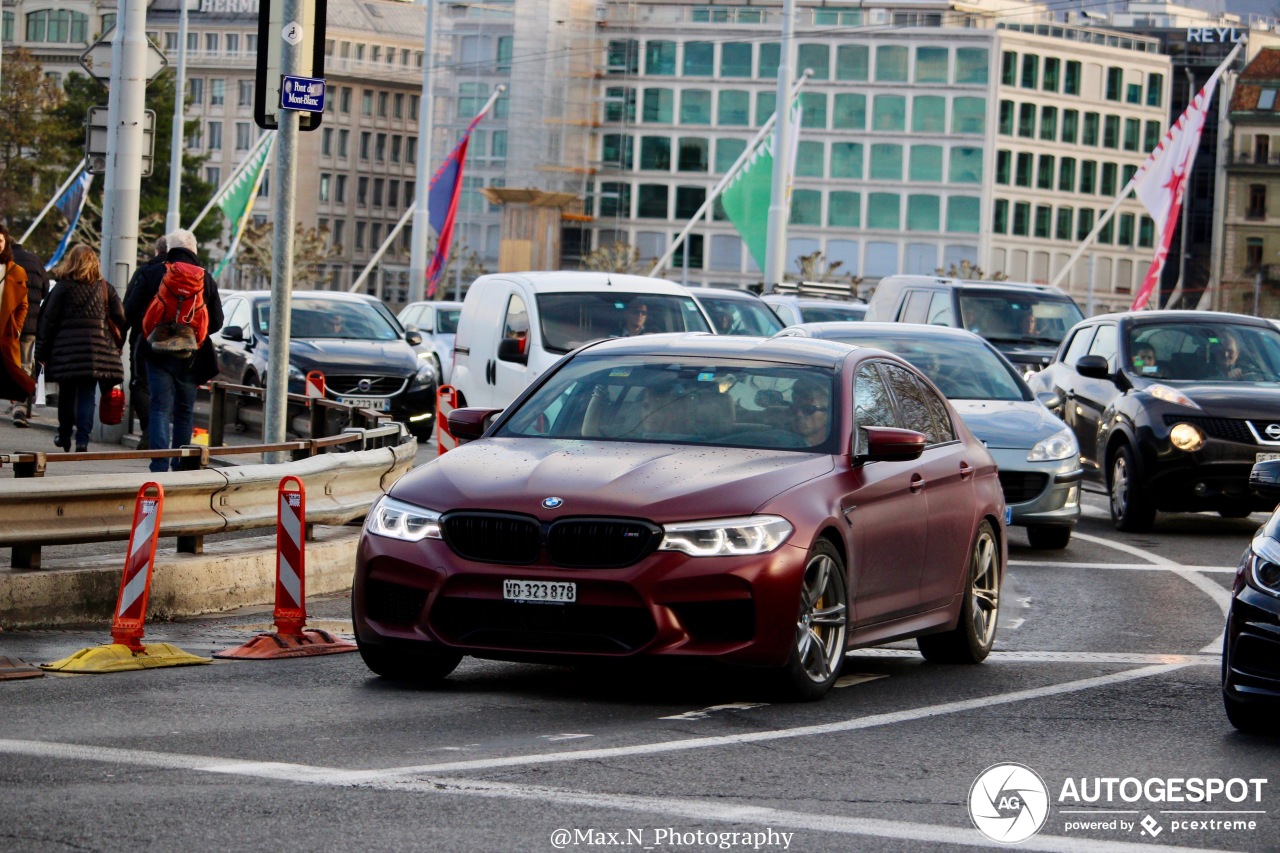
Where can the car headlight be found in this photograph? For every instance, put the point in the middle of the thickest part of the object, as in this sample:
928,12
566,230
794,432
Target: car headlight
1264,565
399,520
426,374
1060,445
1186,437
295,373
1171,395
758,534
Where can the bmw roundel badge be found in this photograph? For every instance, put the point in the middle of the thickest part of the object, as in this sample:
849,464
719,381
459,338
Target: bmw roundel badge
552,503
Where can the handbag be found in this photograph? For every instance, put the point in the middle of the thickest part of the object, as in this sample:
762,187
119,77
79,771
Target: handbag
111,406
114,332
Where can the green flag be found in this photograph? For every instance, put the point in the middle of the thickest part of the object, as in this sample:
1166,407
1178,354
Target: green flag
236,199
746,200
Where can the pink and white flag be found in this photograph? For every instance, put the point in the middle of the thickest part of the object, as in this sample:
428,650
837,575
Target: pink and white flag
1161,182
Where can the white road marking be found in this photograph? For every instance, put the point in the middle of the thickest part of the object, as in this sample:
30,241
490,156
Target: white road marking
1132,567
707,712
1015,624
565,736
1061,657
856,678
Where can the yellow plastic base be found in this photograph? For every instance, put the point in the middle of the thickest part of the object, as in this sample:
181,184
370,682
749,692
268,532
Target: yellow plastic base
115,657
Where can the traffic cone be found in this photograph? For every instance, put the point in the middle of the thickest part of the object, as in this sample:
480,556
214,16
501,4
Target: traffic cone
291,639
126,651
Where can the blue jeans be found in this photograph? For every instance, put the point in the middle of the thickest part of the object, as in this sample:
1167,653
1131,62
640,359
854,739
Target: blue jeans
75,411
173,398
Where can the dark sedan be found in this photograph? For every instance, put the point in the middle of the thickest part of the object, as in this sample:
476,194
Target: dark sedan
1251,642
1171,409
366,357
764,502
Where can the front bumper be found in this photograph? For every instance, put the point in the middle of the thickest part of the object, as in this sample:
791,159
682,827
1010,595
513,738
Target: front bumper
740,609
1039,493
1214,477
1251,653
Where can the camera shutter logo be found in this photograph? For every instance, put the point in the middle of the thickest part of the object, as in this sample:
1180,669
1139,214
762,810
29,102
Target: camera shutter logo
1008,803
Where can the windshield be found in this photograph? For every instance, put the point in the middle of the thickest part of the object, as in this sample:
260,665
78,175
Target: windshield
720,403
447,321
740,316
1016,317
962,369
571,319
833,313
331,318
1202,351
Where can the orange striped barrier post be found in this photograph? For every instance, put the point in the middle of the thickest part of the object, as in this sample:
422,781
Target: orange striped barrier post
126,650
315,384
291,639
446,402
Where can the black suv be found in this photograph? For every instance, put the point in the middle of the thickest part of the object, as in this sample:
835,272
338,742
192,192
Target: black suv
1026,322
1171,409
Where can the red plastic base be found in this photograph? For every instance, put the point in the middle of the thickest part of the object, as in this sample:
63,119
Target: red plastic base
311,641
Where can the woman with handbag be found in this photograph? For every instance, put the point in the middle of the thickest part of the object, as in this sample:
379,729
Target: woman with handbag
79,342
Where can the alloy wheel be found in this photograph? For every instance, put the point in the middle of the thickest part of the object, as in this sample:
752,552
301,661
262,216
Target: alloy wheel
984,590
823,620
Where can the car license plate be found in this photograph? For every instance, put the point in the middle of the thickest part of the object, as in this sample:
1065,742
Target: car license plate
549,592
1267,457
378,404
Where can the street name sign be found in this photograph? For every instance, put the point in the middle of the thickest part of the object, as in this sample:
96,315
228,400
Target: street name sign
304,30
302,93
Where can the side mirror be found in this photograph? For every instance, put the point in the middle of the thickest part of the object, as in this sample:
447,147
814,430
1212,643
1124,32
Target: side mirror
232,333
470,424
1050,400
413,337
1093,366
890,444
513,349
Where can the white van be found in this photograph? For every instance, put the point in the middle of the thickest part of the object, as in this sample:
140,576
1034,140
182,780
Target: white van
516,325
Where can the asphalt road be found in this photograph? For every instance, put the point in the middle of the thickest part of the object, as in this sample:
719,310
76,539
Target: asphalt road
1106,666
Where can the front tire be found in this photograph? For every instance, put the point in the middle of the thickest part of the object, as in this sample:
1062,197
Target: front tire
413,667
975,632
1131,510
1045,537
1248,718
821,626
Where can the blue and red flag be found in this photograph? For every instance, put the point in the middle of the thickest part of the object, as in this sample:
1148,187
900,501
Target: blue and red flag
442,205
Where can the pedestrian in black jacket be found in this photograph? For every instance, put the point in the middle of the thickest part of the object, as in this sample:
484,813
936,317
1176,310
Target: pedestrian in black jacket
75,345
37,291
139,390
173,381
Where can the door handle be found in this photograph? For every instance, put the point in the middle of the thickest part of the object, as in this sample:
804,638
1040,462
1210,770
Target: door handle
966,470
917,483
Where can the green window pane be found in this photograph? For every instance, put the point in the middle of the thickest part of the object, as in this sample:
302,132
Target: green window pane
615,199
929,114
1155,89
1006,117
1084,223
891,64
849,112
1125,235
816,57
972,64
931,64
1049,123
1071,80
655,153
851,62
659,105
1107,232
727,153
926,163
810,158
1044,217
617,151
660,58
695,106
963,212
1111,132
1052,67
1070,125
1027,120
884,211
813,110
1004,167
1127,175
1133,93
846,159
1022,219
966,166
1044,177
652,201
1108,183
688,200
1067,175
924,213
999,216
1146,233
765,104
1115,83
1152,136
699,59
1132,134
694,154
735,60
1009,68
1088,176
734,108
1030,71
1062,228
770,54
844,210
1022,174
889,112
886,162
1090,134
969,115
806,207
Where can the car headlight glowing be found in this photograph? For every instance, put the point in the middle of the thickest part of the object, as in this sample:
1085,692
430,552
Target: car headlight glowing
1060,445
1264,565
758,534
398,520
1171,395
1186,437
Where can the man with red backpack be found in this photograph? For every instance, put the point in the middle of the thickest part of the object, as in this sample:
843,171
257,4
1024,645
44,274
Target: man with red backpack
172,310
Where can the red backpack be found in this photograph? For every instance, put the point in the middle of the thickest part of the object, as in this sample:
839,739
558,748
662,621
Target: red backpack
177,321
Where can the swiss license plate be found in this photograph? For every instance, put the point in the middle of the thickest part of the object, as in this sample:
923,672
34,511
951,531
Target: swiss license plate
549,592
1267,457
378,404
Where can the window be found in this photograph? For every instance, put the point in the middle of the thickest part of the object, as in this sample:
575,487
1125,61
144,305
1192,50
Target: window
971,65
1000,216
1152,136
1004,167
339,226
889,113
727,153
1071,80
963,214
966,165
770,54
415,100
1133,93
886,162
1115,84
695,155
1125,231
1155,89
846,160
397,105
1021,219
659,106
660,58
734,108
211,42
58,26
326,180
1067,175
616,151
244,93
621,57
215,136
1052,65
929,114
851,62
655,153
1253,254
1030,71
244,137
816,57
1106,232
365,138
806,207
1009,68
1044,216
380,148
735,60
1049,124
360,228
765,103
619,104
969,115
366,102
813,110
891,64
926,163
1006,117
1107,186
344,137
844,210
884,211
213,175
1132,134
232,42
1070,125
1027,120
1257,208
1022,174
924,213
849,112
396,142
1084,223
1088,176
931,64
383,97
195,90
1062,229
1111,132
1089,136
217,92
170,38
378,184
362,191
340,191
411,149
1146,232
811,159
653,201
344,100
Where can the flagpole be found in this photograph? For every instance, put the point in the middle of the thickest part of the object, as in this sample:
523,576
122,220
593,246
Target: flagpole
235,173
418,259
780,196
57,195
728,177
1097,228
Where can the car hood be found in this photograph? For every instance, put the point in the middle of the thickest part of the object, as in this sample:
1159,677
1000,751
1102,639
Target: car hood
1008,424
374,358
1247,400
661,482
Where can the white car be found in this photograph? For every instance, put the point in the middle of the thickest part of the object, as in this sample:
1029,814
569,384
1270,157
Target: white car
438,323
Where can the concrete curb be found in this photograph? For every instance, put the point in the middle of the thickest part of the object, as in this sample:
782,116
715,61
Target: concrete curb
228,575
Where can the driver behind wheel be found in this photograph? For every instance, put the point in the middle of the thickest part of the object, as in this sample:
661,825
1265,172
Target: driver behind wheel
811,408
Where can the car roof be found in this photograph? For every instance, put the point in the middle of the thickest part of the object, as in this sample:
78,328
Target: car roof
724,293
1145,317
827,330
979,284
436,302
332,295
808,351
811,300
568,280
